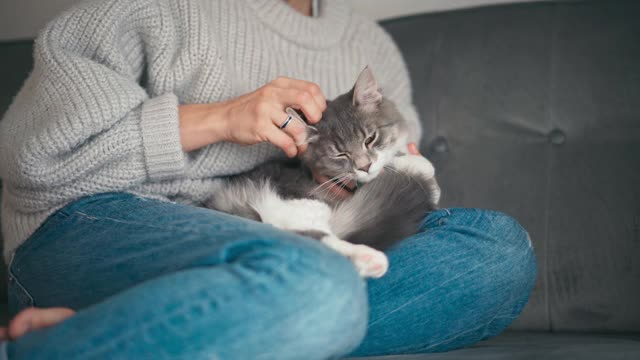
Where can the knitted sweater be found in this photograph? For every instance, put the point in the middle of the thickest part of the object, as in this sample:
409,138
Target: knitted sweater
99,112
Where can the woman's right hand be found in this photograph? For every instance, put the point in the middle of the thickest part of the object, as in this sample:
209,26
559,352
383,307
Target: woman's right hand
255,117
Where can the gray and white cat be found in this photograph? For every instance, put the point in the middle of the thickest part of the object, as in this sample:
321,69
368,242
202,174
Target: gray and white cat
360,135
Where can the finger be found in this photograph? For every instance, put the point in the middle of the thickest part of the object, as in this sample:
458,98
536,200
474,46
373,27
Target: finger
294,127
4,333
300,99
301,85
33,319
413,149
280,139
313,88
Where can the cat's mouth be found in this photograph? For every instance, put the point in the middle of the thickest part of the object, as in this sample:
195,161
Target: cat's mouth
347,184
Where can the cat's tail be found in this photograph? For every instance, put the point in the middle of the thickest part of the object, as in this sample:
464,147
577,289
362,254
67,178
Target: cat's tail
389,208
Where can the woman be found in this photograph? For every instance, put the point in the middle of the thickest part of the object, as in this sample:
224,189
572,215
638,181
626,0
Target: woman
133,109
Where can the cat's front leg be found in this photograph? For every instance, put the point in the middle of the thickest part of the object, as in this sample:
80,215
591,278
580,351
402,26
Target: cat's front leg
369,262
414,164
418,165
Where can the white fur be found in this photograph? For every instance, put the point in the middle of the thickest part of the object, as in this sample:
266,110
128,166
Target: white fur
415,164
296,215
369,262
308,214
419,165
383,158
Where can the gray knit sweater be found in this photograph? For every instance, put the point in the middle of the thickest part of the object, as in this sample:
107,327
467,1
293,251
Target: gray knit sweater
99,112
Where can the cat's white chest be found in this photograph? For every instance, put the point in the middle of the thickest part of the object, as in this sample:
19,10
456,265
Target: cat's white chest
308,214
298,214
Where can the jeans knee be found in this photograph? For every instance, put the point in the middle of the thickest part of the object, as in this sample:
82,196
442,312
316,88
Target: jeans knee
340,299
503,242
518,267
321,289
515,242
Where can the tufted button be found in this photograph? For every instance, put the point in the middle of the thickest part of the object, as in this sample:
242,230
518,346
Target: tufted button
440,145
557,137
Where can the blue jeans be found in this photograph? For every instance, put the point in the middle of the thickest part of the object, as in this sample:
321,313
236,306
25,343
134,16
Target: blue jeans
156,280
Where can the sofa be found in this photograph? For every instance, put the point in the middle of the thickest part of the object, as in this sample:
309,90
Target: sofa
533,110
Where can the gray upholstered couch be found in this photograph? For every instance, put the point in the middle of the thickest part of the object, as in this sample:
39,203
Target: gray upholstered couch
534,110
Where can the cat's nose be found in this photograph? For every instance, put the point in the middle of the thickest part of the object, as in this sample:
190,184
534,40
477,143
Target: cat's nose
365,168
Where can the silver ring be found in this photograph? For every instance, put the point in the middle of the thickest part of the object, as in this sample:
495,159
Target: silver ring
286,122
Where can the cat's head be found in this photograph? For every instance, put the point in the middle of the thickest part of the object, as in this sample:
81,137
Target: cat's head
359,133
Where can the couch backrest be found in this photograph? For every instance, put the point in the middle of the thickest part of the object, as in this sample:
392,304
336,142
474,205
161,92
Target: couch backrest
534,110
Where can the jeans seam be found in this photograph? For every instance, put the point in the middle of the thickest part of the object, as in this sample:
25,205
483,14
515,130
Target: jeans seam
18,284
428,222
91,217
26,246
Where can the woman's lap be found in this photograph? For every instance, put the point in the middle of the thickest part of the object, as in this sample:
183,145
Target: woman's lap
462,279
104,244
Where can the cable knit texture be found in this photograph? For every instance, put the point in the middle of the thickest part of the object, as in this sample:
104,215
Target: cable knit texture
99,112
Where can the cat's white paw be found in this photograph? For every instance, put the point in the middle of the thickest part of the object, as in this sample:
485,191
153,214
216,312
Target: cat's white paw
414,164
370,262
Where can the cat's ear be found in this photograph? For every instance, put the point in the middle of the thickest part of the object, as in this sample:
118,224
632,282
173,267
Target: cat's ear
366,94
311,135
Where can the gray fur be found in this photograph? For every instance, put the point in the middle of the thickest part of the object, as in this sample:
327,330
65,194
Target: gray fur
235,195
385,210
345,127
381,212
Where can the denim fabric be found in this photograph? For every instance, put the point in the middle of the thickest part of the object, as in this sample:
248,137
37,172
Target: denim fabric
154,280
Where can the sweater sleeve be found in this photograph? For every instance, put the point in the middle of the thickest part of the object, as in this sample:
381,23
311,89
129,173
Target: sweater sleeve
82,112
393,77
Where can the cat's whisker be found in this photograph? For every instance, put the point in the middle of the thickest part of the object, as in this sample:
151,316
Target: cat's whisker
325,187
341,184
334,184
325,183
335,195
331,182
391,168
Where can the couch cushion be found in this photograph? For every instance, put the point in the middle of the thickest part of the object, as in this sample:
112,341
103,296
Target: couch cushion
534,110
533,346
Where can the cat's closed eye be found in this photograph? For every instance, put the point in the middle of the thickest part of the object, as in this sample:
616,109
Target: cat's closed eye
340,156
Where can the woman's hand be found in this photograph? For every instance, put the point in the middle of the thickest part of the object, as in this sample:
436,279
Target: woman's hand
255,117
